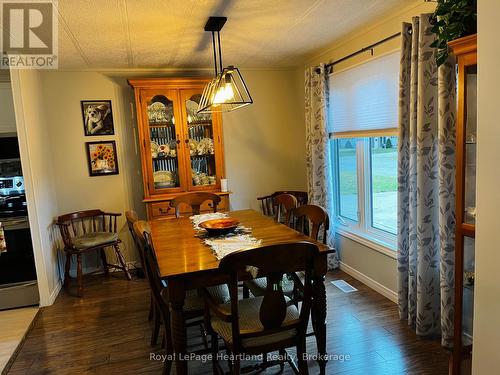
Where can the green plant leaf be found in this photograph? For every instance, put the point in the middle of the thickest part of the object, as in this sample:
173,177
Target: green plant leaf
452,19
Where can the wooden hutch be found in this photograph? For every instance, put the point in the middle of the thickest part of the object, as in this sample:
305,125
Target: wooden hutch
465,49
181,150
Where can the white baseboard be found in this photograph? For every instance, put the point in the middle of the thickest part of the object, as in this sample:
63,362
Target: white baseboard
369,282
55,293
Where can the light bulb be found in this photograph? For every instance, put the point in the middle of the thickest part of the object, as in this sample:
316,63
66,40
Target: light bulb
229,91
220,95
224,94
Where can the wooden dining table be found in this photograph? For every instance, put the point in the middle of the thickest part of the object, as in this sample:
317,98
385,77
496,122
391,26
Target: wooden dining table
186,263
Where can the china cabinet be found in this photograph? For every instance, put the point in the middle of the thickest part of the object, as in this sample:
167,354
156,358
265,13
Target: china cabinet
465,49
181,150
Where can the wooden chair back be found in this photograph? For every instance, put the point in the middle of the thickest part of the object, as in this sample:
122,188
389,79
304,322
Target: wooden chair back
267,205
309,219
272,261
133,218
285,204
302,197
78,223
143,233
195,200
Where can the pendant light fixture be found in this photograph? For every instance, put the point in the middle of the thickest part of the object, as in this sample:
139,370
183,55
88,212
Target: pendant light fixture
227,91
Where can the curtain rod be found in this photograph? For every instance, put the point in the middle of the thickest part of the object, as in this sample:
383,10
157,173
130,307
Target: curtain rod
368,48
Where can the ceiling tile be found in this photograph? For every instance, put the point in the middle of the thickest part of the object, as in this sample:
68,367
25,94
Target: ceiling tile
116,34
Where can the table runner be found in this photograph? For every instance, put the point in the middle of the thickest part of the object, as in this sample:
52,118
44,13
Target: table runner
240,239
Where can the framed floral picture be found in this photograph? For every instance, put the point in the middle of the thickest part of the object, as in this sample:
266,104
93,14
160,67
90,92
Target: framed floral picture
97,117
101,157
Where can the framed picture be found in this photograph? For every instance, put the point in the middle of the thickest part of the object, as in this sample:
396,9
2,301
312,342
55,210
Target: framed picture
97,117
101,157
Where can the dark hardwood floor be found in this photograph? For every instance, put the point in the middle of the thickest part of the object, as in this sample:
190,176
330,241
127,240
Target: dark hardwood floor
107,332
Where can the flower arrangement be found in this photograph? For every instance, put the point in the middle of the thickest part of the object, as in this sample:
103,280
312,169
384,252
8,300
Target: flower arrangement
102,158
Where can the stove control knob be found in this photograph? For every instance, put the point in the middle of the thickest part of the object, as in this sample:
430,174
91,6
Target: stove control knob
19,184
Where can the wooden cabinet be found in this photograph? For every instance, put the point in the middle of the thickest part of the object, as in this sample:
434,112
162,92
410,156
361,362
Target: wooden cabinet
162,210
181,150
465,50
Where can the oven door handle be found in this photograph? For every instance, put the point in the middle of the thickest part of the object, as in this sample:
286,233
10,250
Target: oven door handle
22,222
20,285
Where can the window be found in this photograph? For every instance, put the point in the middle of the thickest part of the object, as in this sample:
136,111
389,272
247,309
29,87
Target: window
363,117
347,172
384,183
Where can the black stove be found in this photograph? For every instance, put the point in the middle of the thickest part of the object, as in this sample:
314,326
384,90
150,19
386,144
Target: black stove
18,286
12,197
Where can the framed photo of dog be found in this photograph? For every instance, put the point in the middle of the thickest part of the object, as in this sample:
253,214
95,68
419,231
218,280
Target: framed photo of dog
97,117
101,158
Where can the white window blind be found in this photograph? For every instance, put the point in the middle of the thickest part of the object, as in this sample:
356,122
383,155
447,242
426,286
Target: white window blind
364,99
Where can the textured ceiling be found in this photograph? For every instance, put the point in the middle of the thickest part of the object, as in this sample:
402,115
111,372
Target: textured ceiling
128,34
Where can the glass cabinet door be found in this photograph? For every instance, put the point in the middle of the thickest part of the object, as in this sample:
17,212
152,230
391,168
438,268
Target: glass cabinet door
468,291
470,144
465,259
465,50
163,122
202,143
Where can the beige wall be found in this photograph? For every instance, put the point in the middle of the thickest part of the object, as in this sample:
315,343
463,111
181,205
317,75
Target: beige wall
75,190
370,263
7,116
376,268
264,143
487,284
36,157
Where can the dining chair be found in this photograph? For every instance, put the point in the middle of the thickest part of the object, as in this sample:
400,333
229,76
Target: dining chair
142,230
267,204
88,231
285,204
195,200
132,218
267,323
193,309
308,219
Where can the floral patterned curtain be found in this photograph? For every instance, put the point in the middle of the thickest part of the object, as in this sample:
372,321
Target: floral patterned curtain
426,179
319,176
